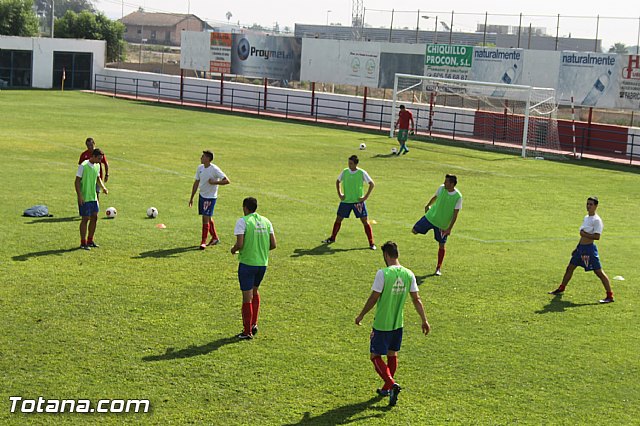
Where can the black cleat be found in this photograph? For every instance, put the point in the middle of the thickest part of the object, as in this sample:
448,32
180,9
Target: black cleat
254,330
93,244
393,394
243,336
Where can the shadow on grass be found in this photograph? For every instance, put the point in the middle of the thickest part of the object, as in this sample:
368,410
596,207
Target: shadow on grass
389,155
57,252
323,249
55,220
173,252
558,305
343,415
420,279
192,351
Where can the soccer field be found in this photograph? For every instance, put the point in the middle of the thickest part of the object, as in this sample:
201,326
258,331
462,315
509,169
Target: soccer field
148,316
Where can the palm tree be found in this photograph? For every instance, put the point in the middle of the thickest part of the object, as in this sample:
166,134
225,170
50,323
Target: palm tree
620,48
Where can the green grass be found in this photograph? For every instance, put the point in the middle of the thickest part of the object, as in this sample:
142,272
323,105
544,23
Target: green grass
147,316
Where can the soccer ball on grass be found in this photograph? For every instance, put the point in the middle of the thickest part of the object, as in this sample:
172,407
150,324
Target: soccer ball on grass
394,150
111,212
152,212
363,146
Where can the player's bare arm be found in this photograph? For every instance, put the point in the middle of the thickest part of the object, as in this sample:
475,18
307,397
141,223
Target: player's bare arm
272,241
453,221
417,303
371,186
223,181
430,203
101,183
238,245
340,194
585,234
79,191
193,191
370,303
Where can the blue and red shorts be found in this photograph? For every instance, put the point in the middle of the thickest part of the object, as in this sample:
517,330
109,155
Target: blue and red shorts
89,208
359,209
423,226
250,276
206,205
383,341
586,256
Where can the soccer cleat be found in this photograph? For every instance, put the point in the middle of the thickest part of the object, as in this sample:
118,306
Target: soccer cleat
438,272
254,329
85,247
328,241
213,242
93,244
243,336
373,247
203,246
383,392
405,152
556,292
393,394
607,300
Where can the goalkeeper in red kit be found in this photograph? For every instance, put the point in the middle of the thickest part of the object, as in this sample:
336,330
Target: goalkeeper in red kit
402,124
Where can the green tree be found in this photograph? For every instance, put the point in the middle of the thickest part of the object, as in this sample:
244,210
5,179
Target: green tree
86,25
17,18
620,48
61,6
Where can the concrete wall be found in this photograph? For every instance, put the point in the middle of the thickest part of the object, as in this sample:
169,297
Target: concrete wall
43,48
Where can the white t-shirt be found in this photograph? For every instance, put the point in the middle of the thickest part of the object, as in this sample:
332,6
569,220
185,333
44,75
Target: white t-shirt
378,282
458,204
241,226
365,176
203,175
592,224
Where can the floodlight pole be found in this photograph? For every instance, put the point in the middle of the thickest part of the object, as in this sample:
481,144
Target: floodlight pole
53,16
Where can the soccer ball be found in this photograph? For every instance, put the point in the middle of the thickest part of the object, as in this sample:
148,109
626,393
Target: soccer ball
111,212
394,150
363,146
152,212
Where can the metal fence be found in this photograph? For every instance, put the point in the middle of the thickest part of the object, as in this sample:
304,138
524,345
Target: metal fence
588,139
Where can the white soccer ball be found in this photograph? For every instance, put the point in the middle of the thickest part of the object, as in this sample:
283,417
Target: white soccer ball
152,212
394,150
363,146
111,212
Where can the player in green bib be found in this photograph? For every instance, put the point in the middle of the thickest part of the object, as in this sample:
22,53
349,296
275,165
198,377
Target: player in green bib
441,213
254,239
87,176
388,294
353,199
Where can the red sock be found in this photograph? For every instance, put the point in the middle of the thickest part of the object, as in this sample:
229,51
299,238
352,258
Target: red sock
83,242
440,256
369,232
212,229
246,318
392,362
89,240
383,372
255,303
205,232
562,287
610,294
336,228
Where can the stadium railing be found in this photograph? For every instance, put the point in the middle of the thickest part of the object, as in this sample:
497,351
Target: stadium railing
445,122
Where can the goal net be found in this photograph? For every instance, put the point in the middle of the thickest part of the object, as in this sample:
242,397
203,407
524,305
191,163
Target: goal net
507,115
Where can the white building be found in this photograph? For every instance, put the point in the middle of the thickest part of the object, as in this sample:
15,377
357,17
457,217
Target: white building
41,62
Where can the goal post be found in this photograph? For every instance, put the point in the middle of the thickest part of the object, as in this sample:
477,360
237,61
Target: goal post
509,114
